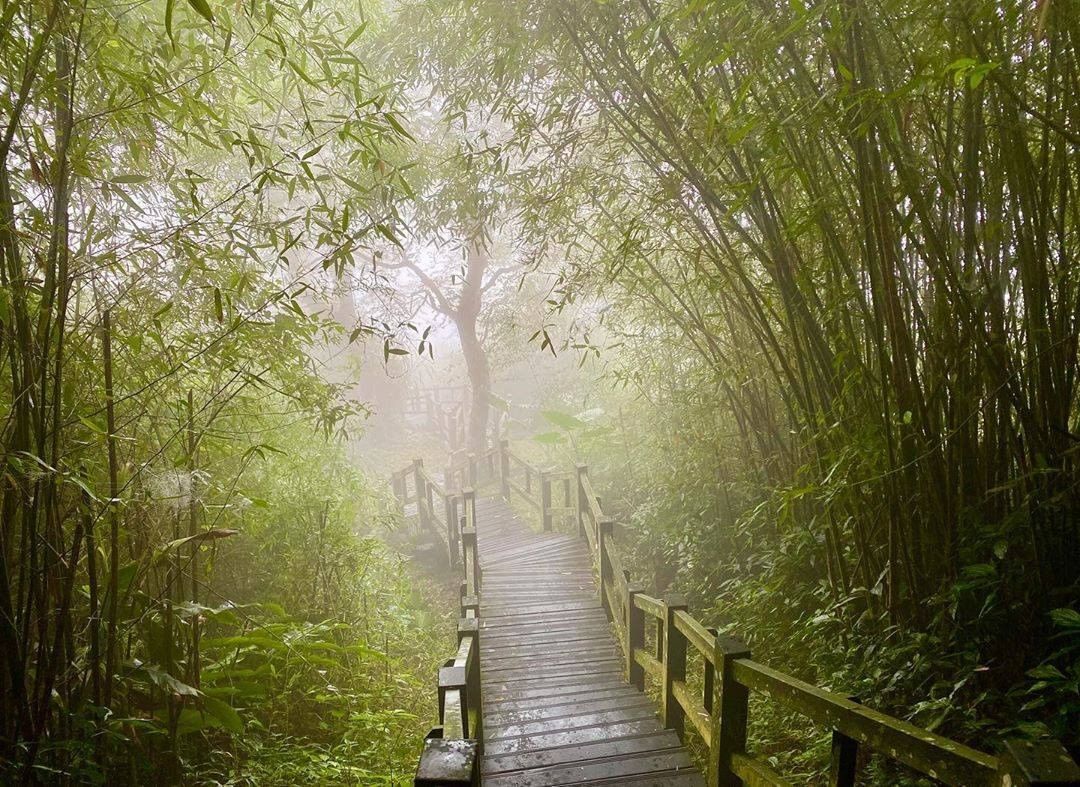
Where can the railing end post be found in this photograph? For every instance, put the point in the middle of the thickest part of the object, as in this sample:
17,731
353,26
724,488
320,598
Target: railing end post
447,763
730,708
635,637
468,627
504,468
604,528
674,664
581,472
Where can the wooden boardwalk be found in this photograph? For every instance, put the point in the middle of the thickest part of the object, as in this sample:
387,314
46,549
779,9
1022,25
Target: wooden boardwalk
539,668
556,707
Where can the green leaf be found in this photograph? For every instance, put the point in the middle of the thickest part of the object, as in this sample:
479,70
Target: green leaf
549,438
400,129
1066,618
386,233
564,420
203,9
167,682
191,720
169,21
199,538
1046,672
225,713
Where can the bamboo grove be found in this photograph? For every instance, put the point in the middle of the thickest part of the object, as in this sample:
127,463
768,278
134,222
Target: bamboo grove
816,261
165,216
852,226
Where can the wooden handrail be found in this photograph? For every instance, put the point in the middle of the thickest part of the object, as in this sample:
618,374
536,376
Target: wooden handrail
719,714
451,752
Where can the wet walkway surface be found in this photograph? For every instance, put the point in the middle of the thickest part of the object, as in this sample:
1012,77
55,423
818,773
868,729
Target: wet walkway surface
557,710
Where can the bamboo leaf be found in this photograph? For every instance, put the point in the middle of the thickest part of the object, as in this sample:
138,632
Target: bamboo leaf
202,7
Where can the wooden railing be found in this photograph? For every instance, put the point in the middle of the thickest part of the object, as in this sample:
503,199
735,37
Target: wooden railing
444,412
719,711
451,753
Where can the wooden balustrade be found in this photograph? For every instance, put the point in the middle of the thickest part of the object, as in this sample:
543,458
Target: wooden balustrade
718,713
451,751
713,704
436,505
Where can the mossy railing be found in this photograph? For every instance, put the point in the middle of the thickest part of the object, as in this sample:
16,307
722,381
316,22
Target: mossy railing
451,752
719,712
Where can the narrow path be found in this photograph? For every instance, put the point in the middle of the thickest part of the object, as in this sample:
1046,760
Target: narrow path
556,708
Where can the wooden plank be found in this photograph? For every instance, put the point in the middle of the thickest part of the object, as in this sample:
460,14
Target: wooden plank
556,707
577,720
609,750
548,690
680,778
576,704
549,740
644,763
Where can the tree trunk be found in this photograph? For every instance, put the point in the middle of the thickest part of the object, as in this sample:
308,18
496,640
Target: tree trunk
476,361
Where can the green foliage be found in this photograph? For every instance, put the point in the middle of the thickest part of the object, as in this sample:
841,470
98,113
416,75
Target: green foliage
187,556
833,249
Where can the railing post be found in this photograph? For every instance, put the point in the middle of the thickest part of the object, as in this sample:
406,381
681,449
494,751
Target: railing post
582,501
730,706
447,763
452,678
463,553
708,690
504,468
545,499
470,627
635,638
468,603
450,513
844,760
472,560
567,499
674,665
421,492
604,529
429,489
1031,763
468,540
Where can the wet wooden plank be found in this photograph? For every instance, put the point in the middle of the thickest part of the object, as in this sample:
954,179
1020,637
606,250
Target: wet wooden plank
610,749
577,772
557,710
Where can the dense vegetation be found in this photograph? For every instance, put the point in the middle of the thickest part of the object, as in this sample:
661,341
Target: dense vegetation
190,580
808,268
830,250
